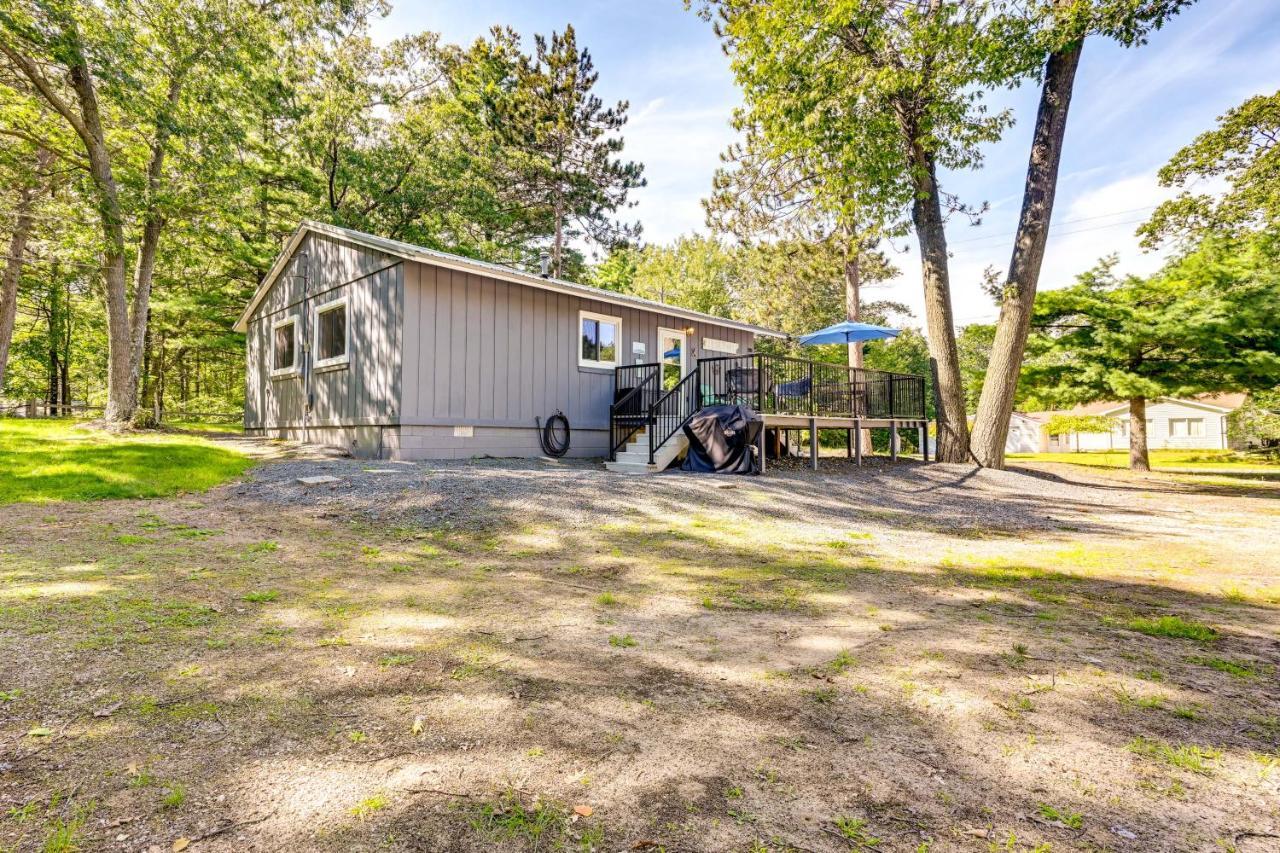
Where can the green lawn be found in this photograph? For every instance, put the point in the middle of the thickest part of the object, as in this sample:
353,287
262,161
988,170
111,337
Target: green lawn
1180,460
59,461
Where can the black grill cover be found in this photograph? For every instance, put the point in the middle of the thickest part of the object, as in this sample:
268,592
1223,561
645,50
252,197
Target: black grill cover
722,441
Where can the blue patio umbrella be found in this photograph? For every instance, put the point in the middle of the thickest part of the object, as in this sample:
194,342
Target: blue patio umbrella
672,353
848,332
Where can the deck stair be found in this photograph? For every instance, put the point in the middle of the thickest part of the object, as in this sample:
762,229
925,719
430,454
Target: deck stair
634,458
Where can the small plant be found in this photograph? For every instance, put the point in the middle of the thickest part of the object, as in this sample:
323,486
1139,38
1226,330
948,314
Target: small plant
623,641
842,662
1071,820
539,824
9,695
606,599
174,797
23,813
262,548
733,792
1197,759
1173,626
367,807
395,660
822,695
357,737
534,752
854,829
1230,667
262,596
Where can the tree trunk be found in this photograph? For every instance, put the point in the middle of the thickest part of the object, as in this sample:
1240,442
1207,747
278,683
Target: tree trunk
558,247
23,223
926,215
853,300
153,225
995,406
1138,459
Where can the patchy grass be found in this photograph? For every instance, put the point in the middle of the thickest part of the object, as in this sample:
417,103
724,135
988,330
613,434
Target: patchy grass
1197,759
45,461
700,677
1230,667
1172,626
1178,460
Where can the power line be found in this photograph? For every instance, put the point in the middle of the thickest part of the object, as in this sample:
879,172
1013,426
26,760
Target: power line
1055,225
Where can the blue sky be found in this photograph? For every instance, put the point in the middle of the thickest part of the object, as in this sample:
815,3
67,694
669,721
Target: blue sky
1132,109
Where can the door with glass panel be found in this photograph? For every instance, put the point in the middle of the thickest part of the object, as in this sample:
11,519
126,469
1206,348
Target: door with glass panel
673,347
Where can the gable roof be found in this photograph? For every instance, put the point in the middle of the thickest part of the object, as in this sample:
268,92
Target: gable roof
1222,403
408,251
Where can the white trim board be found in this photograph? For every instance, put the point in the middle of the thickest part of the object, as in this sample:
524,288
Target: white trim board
408,251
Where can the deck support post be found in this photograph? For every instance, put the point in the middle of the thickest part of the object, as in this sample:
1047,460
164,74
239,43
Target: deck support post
813,443
761,444
893,440
848,443
857,444
924,442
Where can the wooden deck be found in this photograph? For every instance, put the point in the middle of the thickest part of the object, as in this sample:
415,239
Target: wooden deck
853,428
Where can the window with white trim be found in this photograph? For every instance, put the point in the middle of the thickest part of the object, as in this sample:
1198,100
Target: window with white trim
331,333
284,346
600,340
1186,427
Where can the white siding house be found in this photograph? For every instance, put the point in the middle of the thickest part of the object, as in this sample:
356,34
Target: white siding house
1172,424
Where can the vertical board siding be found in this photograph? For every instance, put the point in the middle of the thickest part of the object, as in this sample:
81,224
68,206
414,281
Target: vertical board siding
496,353
367,389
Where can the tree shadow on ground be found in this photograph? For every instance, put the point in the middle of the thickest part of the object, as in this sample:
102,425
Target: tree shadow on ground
773,687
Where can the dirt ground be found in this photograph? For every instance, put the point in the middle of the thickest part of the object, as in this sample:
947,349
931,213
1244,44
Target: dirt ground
501,655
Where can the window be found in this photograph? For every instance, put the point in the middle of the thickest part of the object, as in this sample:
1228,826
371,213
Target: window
284,346
331,334
716,347
1186,427
601,337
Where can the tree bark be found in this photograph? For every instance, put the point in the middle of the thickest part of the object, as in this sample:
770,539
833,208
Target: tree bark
1138,458
926,215
24,221
152,227
853,300
995,406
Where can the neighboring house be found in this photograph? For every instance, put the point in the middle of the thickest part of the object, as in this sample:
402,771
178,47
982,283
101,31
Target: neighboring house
396,351
1172,423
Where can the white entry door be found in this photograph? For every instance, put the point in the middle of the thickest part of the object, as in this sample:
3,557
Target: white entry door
673,353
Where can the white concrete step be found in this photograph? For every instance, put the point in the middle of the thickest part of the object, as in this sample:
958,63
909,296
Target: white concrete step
635,458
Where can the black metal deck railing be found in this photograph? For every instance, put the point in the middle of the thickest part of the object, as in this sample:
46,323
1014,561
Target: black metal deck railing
636,388
770,384
781,385
672,411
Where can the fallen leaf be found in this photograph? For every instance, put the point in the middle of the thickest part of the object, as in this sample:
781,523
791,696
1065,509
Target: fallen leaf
419,723
181,844
40,731
585,811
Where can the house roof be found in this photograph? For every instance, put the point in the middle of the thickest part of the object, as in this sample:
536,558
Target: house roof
1214,402
408,251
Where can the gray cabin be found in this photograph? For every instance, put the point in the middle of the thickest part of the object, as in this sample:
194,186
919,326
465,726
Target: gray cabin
394,351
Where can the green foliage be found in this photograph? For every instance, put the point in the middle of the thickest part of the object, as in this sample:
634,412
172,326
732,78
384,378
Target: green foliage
1068,424
1242,151
55,461
1257,420
1172,626
1203,324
